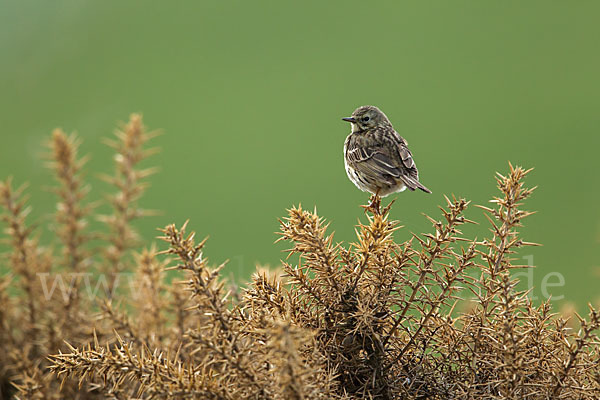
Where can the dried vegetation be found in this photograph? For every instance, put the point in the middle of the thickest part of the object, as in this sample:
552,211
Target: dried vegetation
437,316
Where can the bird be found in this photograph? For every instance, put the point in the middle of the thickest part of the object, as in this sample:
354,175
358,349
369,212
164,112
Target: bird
376,157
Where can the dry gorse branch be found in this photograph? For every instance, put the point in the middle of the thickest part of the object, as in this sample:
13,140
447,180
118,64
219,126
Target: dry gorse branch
47,301
130,182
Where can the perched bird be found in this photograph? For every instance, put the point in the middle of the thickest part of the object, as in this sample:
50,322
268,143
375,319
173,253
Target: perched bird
377,158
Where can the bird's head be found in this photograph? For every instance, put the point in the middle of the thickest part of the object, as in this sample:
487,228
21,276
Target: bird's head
367,117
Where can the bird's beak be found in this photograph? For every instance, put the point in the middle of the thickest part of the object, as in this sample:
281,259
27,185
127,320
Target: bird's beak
349,119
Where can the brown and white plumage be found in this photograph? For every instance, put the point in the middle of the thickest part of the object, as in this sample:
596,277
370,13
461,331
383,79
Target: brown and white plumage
377,158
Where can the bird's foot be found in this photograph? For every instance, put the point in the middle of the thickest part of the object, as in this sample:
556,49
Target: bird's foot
374,206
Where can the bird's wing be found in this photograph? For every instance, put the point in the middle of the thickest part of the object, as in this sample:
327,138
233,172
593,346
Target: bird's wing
410,174
371,160
408,163
379,161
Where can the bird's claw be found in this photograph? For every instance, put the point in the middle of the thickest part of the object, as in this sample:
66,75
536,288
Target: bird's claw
374,205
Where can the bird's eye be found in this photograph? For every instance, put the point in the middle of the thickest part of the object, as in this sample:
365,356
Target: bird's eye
365,119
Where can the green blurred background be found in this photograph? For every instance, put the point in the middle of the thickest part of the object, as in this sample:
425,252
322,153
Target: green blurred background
250,94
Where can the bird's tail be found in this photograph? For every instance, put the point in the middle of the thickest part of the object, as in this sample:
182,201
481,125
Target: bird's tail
413,184
423,188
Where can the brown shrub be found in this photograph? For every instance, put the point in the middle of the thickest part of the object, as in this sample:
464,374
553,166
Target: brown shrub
437,316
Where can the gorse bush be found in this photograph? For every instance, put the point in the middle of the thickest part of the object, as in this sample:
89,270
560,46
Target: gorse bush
437,316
